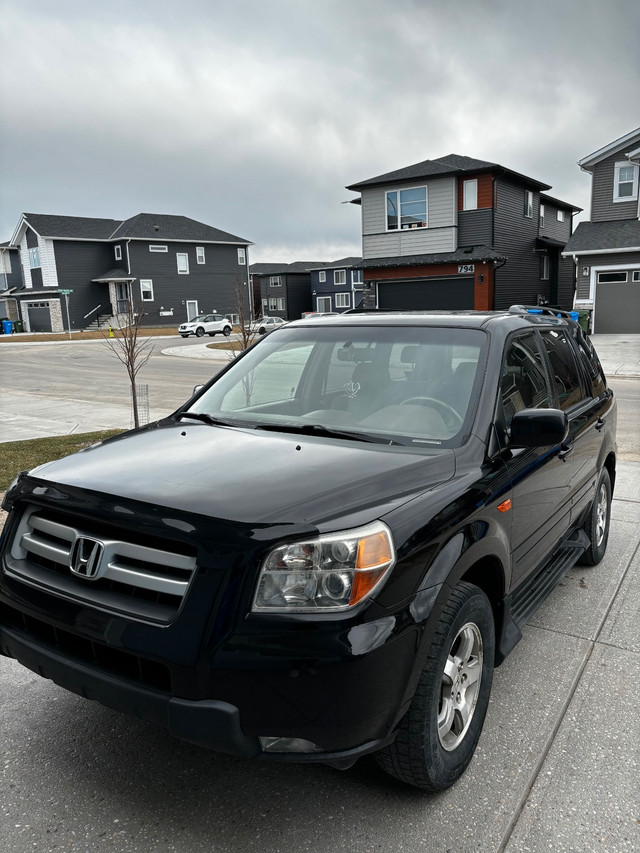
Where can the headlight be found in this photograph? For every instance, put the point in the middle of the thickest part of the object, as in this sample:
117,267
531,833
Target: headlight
330,573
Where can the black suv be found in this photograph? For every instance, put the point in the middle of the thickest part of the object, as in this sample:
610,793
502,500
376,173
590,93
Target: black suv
327,550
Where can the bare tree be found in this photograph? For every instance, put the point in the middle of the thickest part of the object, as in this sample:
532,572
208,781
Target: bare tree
248,329
126,345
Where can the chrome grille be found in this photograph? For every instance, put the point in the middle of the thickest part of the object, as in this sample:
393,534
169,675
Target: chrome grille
132,577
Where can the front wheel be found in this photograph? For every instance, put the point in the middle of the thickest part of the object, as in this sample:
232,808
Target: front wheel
226,331
199,332
597,524
439,733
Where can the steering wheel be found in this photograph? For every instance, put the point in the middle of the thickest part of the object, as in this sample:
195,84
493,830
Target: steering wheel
444,408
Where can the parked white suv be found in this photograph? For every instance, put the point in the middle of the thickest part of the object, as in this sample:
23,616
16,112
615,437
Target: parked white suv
209,324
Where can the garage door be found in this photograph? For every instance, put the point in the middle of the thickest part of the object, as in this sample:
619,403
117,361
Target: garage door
39,316
436,294
617,308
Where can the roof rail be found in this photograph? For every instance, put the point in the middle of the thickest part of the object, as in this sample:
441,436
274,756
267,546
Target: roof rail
541,309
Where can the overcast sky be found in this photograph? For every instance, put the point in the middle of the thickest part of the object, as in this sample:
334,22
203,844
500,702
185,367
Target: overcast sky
253,115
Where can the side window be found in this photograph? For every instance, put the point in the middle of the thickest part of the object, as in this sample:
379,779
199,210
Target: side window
524,382
564,369
591,364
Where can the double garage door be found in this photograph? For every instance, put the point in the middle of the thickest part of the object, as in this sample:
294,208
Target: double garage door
617,309
431,294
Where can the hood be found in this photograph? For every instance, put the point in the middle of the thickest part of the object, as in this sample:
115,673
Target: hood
252,476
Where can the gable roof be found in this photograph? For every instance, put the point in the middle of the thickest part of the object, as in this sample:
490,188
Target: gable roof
145,226
284,269
341,263
629,140
544,198
593,237
451,164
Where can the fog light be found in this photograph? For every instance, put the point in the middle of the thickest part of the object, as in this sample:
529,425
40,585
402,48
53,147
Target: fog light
287,744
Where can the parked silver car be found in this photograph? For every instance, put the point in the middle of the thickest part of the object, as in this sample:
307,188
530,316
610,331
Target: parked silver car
209,324
266,324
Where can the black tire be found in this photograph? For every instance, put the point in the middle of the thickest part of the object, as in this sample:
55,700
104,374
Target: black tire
423,755
597,525
261,330
199,332
226,331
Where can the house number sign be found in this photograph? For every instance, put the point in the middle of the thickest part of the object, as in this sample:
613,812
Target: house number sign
464,268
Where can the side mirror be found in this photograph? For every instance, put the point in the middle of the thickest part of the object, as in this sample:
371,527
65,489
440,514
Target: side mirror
197,388
538,428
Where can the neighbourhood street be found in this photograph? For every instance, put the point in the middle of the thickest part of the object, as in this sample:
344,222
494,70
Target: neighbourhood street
557,764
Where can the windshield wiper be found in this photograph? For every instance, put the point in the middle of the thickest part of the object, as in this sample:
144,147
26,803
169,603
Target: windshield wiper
205,418
326,432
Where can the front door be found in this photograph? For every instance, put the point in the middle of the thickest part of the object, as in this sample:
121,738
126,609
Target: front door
192,309
122,297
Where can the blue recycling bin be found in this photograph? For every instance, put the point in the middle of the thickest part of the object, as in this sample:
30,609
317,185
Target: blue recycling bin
575,316
7,326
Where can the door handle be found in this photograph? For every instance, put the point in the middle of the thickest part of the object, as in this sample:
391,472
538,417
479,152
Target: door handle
600,423
565,450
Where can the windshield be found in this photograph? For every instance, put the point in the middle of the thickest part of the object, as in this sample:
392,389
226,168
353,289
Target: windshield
407,385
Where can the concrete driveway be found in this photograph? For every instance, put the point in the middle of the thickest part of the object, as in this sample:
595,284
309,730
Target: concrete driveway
556,768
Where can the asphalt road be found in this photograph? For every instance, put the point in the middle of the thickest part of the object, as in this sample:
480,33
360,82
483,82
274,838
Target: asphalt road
556,768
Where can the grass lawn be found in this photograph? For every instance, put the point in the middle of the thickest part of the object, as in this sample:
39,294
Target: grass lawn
25,337
16,456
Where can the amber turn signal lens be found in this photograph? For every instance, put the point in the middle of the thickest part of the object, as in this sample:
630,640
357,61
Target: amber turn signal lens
373,550
505,506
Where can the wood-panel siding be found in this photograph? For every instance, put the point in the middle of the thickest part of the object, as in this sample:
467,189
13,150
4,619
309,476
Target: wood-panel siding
603,207
485,190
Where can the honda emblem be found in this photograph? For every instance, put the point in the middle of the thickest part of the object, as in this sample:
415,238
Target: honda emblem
85,557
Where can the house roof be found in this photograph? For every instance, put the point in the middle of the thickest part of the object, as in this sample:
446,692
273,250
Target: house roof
155,226
451,164
462,255
340,264
144,226
285,269
117,274
594,237
544,198
629,140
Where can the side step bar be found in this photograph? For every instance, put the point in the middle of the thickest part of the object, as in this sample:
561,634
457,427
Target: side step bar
520,606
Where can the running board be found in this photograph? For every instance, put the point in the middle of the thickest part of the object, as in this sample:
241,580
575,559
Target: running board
523,603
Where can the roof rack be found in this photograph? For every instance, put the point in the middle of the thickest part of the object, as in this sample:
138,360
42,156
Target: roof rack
542,309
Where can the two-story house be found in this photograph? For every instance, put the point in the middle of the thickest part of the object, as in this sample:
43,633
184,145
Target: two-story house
606,250
170,268
285,289
458,233
337,286
10,279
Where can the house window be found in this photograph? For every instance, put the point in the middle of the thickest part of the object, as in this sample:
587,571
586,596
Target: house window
612,277
356,276
280,303
242,257
542,215
276,304
118,252
625,184
470,195
339,276
636,275
560,215
34,258
407,209
528,203
544,267
343,300
322,275
155,247
265,306
199,254
183,263
275,281
146,289
323,304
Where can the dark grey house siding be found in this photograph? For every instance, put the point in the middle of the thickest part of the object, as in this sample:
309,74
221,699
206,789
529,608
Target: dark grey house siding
295,290
212,284
603,207
475,227
13,278
518,281
77,262
552,228
32,238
